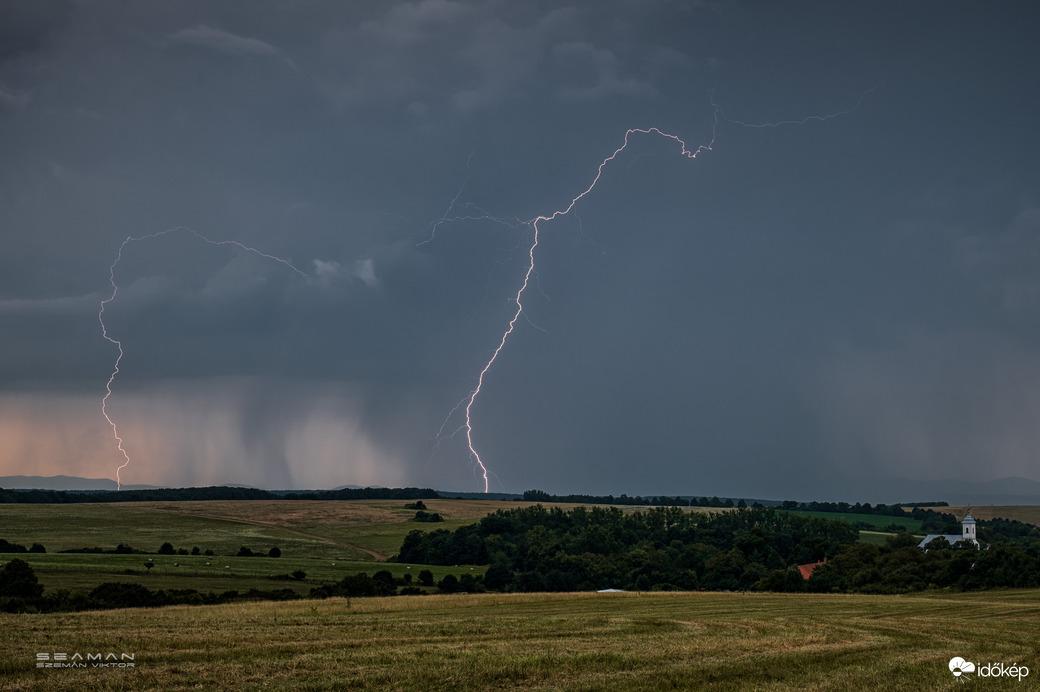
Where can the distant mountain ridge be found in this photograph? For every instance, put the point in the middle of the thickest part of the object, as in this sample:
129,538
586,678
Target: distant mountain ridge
1012,490
65,483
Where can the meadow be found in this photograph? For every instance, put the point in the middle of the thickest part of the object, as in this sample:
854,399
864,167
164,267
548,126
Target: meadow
879,521
325,539
586,641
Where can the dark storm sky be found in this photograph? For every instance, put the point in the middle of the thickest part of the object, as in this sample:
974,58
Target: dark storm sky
802,311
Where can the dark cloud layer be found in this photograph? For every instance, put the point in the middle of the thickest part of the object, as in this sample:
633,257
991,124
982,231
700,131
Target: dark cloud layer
800,310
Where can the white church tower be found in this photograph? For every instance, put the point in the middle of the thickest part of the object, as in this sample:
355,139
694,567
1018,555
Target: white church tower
968,529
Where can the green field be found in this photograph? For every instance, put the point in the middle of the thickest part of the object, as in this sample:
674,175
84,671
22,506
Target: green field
876,520
621,641
326,540
84,572
343,530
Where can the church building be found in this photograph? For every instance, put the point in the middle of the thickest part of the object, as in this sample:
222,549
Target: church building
967,534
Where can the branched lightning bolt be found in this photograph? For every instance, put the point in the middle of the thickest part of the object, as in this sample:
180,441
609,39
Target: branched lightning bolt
535,223
119,344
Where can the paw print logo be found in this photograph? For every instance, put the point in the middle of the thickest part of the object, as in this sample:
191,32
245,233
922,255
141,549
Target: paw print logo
958,666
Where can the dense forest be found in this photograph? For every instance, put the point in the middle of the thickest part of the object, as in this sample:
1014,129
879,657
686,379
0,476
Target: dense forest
539,549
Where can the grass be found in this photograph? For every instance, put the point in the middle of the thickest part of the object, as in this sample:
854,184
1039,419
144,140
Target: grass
146,526
624,641
335,530
1029,514
327,540
876,537
84,572
876,520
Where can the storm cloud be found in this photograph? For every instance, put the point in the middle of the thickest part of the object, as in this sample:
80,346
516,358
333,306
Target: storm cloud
798,309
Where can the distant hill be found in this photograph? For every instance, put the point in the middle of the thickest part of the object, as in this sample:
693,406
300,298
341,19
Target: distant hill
64,483
1002,491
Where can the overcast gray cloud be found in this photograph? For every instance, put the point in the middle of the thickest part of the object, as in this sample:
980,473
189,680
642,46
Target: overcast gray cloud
796,310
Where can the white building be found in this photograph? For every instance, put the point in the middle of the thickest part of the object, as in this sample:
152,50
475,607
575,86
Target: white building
967,534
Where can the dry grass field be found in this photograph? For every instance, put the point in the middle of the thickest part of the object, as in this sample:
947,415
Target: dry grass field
1030,514
620,641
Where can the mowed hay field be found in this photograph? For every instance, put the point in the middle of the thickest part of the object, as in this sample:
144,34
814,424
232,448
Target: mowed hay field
616,641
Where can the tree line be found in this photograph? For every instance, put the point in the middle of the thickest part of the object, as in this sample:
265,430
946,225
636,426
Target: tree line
895,510
21,592
217,492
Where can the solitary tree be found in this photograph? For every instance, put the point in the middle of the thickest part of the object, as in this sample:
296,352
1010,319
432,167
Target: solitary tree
498,577
18,580
450,584
274,552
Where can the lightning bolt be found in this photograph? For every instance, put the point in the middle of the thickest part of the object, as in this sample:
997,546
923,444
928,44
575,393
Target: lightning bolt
535,224
119,344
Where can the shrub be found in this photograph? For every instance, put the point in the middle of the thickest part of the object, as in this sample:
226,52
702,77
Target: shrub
274,552
6,547
123,595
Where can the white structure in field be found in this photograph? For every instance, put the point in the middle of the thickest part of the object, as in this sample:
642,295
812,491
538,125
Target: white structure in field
967,534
